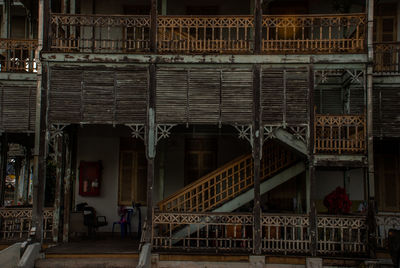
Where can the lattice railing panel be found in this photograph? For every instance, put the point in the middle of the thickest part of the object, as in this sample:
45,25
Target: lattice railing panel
314,33
340,134
285,234
199,34
17,55
209,34
384,222
387,58
342,235
228,181
100,33
16,223
203,231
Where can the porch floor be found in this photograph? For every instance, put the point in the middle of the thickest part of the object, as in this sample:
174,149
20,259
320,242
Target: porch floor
101,244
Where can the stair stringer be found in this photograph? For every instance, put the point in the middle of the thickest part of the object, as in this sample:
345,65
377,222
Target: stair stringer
248,196
289,139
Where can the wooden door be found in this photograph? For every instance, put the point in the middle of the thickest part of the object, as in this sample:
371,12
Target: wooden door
200,159
385,31
132,174
388,181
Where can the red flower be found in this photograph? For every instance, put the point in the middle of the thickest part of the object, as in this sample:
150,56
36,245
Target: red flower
338,201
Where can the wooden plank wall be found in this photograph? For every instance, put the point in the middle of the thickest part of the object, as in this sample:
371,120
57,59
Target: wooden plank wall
98,95
184,94
204,95
17,107
386,111
284,96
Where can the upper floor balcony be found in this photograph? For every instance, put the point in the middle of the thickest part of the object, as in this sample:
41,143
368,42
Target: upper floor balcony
222,34
387,58
18,55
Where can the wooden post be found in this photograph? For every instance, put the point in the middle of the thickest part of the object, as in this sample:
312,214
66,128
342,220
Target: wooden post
153,26
27,174
164,7
370,138
58,151
67,187
18,161
6,25
150,149
257,27
40,151
3,166
257,147
311,169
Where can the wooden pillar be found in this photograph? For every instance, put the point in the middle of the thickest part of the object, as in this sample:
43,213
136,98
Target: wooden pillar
257,27
27,174
3,166
370,138
313,211
150,149
67,187
257,147
257,139
164,7
18,165
40,151
153,26
58,151
6,19
311,168
41,143
308,191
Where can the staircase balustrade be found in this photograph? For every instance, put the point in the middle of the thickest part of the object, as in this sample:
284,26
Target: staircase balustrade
228,181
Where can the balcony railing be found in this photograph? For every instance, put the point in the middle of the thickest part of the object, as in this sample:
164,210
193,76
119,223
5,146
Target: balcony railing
208,34
17,222
340,134
100,33
281,233
17,55
314,34
387,58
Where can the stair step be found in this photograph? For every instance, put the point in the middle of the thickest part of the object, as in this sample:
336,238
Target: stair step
88,261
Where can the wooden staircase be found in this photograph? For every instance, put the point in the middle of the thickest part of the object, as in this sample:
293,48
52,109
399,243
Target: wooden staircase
230,181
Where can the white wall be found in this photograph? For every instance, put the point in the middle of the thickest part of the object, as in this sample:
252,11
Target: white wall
328,180
105,149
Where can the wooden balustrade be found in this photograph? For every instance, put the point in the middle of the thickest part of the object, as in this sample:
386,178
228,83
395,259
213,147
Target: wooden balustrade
17,55
209,34
285,234
203,231
387,58
385,222
340,134
314,33
228,181
338,235
17,222
100,33
342,235
205,34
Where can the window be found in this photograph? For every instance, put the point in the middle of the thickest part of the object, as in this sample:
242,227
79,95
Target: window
132,172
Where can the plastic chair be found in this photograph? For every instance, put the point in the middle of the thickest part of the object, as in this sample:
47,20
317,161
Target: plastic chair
124,222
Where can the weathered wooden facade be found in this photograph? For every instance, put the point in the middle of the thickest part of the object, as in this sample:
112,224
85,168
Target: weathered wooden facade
205,114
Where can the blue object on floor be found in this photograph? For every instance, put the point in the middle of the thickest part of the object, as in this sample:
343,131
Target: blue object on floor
125,222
